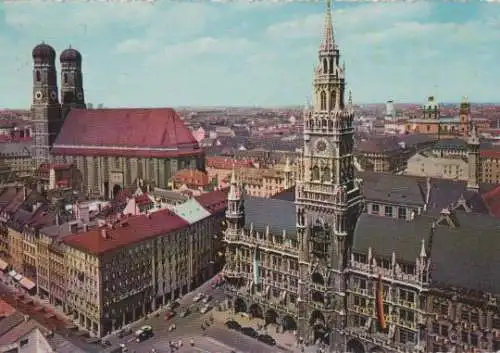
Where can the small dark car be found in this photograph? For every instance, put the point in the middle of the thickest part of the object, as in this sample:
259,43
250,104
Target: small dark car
233,325
267,340
250,332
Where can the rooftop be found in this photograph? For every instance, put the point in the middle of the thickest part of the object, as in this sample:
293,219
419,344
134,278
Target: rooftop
153,132
191,211
126,232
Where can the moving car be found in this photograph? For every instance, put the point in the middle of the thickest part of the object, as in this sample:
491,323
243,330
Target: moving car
144,333
198,297
250,332
267,339
233,325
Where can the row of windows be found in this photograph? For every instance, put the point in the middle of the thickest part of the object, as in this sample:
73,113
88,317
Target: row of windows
389,211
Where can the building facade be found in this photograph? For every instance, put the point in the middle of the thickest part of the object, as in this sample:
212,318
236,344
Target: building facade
118,273
365,273
293,274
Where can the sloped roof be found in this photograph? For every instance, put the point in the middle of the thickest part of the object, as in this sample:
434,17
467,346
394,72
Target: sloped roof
129,132
386,235
191,211
466,256
278,214
214,201
129,231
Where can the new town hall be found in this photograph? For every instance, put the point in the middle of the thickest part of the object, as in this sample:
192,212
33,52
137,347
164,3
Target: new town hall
365,262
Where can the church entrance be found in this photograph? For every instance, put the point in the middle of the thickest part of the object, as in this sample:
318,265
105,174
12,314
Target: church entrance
320,330
116,190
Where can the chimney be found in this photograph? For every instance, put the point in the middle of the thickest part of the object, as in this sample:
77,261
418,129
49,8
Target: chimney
104,233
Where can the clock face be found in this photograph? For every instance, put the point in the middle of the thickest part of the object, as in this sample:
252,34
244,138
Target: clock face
321,145
38,95
79,95
53,95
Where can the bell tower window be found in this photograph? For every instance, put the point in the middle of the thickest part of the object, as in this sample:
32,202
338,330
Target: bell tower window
325,66
65,78
333,98
323,100
38,76
330,71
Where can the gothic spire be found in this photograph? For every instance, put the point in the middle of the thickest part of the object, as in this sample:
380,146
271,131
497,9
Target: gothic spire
328,42
234,192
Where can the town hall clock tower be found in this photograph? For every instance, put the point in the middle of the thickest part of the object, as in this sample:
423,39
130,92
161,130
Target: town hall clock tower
328,198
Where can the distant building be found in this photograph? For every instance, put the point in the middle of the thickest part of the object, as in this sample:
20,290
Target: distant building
433,123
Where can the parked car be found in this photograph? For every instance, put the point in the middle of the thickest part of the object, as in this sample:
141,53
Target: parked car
250,332
207,299
184,313
267,339
206,308
233,325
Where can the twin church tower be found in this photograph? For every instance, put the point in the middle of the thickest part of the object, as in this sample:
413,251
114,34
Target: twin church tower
49,106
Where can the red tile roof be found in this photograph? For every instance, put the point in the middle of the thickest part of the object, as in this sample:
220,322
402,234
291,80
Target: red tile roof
154,132
218,162
6,309
128,231
215,201
191,178
494,153
492,200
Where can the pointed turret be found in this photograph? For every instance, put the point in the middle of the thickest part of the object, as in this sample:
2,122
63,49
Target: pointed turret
349,102
234,190
328,42
474,161
423,252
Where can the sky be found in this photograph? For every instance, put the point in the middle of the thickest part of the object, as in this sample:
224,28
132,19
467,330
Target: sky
174,53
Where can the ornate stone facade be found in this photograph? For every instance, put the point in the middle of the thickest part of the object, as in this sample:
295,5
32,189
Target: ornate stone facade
297,278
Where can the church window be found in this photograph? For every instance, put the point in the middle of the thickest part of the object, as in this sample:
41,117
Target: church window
65,78
326,174
325,66
38,76
330,124
315,173
333,98
323,100
325,123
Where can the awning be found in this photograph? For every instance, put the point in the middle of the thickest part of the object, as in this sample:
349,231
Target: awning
18,277
3,265
12,273
26,283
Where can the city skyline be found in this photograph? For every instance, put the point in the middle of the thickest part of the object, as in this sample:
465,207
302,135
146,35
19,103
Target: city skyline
180,54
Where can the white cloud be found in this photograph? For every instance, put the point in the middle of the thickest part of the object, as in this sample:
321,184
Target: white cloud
361,18
209,45
132,46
